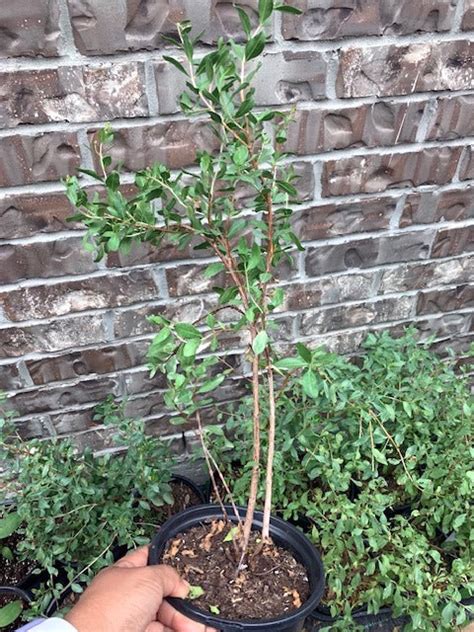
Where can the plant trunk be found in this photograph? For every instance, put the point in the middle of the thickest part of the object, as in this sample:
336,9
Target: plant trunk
256,459
271,451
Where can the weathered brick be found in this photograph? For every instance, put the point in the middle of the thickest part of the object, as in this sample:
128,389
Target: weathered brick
350,18
101,28
468,16
450,242
44,259
190,279
68,333
467,167
26,215
67,422
285,77
41,158
364,253
10,377
36,428
453,118
431,301
445,326
330,220
404,69
332,289
382,123
437,206
45,399
84,362
346,316
29,28
423,275
373,173
73,94
43,301
174,143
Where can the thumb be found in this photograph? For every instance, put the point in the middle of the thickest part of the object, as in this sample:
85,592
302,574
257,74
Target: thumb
172,585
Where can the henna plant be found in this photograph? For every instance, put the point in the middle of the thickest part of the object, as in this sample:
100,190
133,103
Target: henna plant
237,206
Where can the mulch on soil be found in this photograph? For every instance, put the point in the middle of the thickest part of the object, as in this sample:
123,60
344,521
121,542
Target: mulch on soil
13,571
273,583
4,600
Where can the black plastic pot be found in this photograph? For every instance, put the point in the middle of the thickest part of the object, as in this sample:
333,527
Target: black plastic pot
14,591
200,491
283,534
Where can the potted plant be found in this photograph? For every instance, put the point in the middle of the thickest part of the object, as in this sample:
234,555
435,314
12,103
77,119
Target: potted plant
272,569
74,513
13,601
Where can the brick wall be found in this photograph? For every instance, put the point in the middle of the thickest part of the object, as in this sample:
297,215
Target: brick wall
382,140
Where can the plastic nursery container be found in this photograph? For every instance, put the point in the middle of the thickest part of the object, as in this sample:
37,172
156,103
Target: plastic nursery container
283,534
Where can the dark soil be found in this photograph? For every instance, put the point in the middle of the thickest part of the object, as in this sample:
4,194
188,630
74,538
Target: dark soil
273,583
4,600
13,571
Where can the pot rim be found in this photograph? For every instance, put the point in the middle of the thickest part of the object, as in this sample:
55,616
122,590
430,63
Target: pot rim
14,590
284,533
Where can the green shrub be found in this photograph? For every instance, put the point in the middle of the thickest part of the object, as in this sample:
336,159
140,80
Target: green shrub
366,437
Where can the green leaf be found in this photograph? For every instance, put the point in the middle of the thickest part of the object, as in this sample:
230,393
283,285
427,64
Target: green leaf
304,352
260,342
10,613
241,155
6,553
290,363
190,348
214,609
310,384
285,8
92,174
210,385
9,524
379,456
177,64
231,534
113,181
245,21
195,592
265,9
213,269
255,46
113,243
187,331
459,521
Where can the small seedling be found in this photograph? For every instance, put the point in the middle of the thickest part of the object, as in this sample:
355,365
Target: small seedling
231,535
10,613
214,609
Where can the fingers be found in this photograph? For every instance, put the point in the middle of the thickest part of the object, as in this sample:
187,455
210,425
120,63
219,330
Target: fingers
171,618
135,559
157,627
171,583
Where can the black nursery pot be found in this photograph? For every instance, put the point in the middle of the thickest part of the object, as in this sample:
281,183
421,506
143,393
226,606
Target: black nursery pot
282,533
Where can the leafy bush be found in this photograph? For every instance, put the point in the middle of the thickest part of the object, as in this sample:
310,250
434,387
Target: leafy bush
75,508
357,440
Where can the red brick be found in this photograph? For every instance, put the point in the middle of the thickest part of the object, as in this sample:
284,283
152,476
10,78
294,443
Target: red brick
43,301
450,242
431,301
373,173
41,158
467,166
42,400
73,94
453,118
26,215
67,333
174,144
347,316
413,276
29,28
84,362
105,29
365,253
350,18
330,220
382,123
10,377
404,69
44,259
437,206
468,16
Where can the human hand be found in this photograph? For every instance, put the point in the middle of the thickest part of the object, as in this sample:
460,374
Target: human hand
129,597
